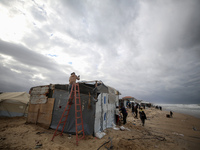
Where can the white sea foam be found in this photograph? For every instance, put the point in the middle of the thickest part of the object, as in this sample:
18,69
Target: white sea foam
190,109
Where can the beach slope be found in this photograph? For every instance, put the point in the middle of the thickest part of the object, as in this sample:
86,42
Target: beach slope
159,132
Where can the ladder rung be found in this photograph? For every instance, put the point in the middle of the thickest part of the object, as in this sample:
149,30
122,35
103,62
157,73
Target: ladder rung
81,138
80,131
78,117
79,124
57,134
63,122
65,116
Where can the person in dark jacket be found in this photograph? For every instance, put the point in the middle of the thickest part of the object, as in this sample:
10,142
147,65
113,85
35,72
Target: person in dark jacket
171,114
132,108
124,113
136,111
143,117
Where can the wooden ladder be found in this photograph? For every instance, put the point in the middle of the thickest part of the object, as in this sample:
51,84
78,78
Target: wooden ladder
74,94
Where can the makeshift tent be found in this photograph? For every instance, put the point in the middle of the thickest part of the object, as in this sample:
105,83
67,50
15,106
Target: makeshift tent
98,101
144,103
13,104
125,100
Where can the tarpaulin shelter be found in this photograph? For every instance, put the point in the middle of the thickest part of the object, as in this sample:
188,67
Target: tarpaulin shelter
144,103
13,104
127,99
98,102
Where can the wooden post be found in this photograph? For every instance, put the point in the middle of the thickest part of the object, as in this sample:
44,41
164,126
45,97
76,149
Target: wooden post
95,87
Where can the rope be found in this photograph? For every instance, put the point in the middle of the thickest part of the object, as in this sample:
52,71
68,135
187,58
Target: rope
156,137
110,140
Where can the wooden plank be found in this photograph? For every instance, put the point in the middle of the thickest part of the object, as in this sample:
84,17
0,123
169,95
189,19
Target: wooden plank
31,117
48,107
34,107
41,114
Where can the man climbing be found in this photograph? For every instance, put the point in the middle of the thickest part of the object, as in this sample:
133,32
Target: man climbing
72,80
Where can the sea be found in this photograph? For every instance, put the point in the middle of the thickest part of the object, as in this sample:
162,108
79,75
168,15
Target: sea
189,109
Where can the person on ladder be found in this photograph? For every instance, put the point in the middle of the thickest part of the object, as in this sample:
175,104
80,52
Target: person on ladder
72,80
74,95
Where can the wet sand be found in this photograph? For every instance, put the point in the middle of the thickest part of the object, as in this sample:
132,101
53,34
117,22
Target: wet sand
180,132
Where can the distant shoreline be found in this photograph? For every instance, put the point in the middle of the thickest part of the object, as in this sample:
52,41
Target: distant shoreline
187,109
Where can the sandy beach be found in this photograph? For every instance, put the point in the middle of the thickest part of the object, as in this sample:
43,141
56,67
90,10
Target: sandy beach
182,132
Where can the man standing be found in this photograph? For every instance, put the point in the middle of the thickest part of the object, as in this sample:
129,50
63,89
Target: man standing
136,111
171,114
72,80
143,117
124,113
132,108
117,115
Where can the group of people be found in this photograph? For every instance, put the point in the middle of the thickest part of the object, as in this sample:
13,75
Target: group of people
122,112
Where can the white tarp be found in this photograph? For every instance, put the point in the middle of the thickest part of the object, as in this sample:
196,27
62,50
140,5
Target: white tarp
105,112
22,97
13,104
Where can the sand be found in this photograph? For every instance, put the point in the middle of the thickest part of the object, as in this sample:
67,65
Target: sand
182,132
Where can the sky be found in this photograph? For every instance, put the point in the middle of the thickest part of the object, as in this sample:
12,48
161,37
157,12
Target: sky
146,49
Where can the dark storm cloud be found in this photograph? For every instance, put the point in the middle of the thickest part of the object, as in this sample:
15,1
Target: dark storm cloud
16,77
25,56
11,81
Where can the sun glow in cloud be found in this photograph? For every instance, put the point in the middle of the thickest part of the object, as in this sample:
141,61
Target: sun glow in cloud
38,76
12,27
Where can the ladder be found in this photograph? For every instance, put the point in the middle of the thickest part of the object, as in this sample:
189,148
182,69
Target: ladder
74,94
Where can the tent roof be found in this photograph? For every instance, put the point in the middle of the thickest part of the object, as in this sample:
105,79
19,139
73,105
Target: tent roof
22,97
145,102
127,97
98,82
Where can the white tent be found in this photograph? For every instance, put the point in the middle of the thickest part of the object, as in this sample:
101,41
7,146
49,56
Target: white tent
13,104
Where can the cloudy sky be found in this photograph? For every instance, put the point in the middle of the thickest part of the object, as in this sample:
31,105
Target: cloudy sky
146,49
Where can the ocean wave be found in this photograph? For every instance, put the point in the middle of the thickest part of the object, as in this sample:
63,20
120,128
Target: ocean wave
190,109
197,106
